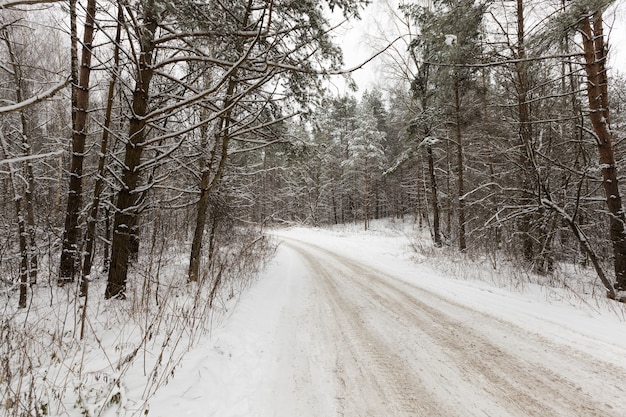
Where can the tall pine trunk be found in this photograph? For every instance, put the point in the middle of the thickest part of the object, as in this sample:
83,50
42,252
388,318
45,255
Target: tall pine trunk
460,165
90,235
525,135
125,221
80,102
595,52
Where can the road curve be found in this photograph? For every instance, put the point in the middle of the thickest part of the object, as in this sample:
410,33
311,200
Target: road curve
368,344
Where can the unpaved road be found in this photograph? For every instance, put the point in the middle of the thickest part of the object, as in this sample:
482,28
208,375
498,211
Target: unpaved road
359,342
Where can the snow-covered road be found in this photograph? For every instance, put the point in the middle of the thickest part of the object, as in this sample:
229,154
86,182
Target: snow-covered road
333,331
367,344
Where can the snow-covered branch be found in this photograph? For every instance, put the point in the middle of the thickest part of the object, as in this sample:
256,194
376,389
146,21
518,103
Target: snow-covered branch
34,99
15,3
30,157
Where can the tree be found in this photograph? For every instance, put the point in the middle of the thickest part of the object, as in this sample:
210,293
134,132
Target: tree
24,212
126,222
90,232
450,34
590,25
243,52
365,155
28,77
80,106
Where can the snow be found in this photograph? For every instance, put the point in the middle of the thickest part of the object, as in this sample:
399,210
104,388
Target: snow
36,98
347,322
30,157
228,374
271,356
450,40
530,309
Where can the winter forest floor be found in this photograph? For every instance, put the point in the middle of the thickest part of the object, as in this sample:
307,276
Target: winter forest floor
340,322
351,323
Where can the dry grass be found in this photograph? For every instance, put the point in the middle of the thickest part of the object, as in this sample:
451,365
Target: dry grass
130,348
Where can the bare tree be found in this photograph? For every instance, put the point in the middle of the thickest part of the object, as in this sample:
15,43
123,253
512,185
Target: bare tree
28,223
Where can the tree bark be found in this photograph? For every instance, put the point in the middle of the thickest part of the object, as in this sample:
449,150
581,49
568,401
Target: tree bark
21,228
595,53
29,224
434,198
207,185
525,134
90,235
80,98
460,165
125,221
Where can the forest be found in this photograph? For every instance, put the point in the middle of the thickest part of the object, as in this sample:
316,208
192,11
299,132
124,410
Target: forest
147,145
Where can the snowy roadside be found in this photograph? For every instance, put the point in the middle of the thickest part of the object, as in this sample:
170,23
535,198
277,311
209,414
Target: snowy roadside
229,373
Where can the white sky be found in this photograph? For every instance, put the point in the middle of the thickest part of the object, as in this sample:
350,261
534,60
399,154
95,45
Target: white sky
617,35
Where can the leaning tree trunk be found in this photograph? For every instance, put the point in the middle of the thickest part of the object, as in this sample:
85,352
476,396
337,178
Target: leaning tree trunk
222,139
208,184
595,53
80,98
126,212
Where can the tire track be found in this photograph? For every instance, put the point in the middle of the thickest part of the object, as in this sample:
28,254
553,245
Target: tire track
376,367
507,381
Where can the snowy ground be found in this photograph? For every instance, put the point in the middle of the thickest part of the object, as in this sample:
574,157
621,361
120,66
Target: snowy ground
347,324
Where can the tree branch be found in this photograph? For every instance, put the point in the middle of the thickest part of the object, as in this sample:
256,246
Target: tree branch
35,99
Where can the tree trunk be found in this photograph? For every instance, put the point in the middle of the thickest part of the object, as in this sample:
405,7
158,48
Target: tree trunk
595,52
448,193
202,212
334,202
29,225
80,95
434,198
366,201
21,227
125,221
90,235
460,166
206,186
525,135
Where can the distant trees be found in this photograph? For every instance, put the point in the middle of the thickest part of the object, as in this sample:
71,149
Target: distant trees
365,158
30,81
489,138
